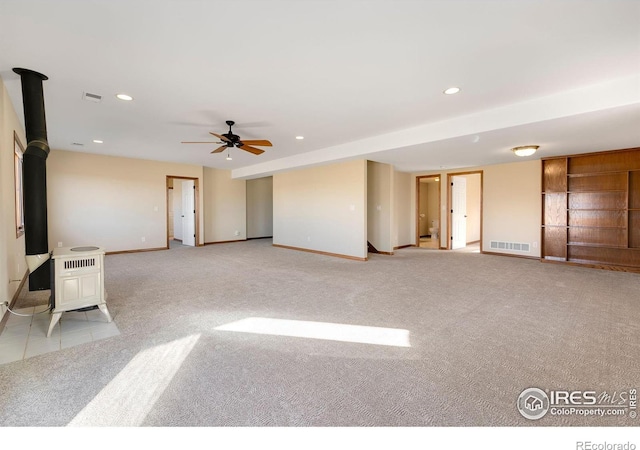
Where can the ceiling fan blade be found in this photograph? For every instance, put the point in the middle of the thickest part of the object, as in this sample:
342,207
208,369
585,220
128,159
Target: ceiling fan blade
257,142
220,149
248,148
193,142
221,137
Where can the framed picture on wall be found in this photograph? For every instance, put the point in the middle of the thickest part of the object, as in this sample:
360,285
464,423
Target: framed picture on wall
18,151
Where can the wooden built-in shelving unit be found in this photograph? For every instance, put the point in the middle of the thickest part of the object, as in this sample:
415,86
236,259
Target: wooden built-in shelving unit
591,209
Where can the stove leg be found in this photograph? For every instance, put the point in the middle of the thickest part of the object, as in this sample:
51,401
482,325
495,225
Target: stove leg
105,311
55,317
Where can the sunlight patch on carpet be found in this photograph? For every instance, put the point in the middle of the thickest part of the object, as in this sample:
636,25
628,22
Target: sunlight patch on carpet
128,398
321,330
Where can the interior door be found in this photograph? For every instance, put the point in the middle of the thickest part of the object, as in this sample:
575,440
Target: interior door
188,213
458,212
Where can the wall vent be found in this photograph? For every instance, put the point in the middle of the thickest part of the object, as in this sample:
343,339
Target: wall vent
92,97
515,246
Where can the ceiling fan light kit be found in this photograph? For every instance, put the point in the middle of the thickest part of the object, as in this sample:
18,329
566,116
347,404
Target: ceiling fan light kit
230,140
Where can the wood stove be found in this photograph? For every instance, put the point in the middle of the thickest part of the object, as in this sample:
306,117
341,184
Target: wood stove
78,281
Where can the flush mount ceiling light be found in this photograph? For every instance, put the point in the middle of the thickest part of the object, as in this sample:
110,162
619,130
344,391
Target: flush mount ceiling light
452,90
525,150
125,97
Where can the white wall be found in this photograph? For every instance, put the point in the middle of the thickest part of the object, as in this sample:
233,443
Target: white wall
473,207
12,262
260,207
511,204
177,210
322,209
433,205
429,205
402,210
171,219
423,208
225,207
110,201
380,205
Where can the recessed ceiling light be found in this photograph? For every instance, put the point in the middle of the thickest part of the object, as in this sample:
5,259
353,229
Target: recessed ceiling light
125,97
525,150
452,90
299,138
98,141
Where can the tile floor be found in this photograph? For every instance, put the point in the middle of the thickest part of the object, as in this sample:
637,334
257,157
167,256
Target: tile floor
24,337
470,248
427,242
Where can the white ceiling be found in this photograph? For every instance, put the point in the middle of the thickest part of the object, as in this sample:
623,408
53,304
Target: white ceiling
358,79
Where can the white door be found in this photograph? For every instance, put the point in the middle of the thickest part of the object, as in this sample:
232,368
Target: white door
188,213
458,212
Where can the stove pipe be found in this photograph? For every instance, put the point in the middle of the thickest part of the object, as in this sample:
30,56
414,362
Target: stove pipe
34,179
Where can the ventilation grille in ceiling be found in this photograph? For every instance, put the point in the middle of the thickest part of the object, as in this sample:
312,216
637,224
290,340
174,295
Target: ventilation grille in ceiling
92,97
516,246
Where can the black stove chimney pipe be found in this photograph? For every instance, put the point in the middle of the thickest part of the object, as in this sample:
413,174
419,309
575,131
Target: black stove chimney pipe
34,176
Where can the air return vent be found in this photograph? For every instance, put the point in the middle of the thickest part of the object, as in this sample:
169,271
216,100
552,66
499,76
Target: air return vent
92,97
515,246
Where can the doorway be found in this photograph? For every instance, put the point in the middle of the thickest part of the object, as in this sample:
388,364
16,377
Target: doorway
428,223
183,212
464,203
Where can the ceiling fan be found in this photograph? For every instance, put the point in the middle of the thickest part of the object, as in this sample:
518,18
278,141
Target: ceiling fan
230,140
